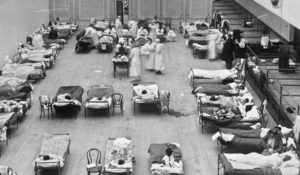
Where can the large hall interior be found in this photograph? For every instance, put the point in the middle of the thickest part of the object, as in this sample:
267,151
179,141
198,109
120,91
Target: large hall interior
149,87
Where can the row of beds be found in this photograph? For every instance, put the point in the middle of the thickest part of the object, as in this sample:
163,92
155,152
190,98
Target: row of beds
198,39
16,85
56,147
212,90
101,97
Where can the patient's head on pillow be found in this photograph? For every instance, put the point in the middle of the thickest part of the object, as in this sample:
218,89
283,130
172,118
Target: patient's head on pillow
46,157
248,108
68,96
169,152
286,158
214,98
121,162
144,92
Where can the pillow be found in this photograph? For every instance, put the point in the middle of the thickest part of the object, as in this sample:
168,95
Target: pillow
285,131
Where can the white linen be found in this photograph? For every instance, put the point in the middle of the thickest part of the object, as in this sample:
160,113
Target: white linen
99,104
214,74
159,57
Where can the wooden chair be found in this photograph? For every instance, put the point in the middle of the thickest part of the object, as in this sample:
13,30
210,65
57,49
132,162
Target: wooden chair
117,100
94,165
45,105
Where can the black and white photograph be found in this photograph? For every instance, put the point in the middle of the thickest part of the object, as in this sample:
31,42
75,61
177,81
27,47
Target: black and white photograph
149,87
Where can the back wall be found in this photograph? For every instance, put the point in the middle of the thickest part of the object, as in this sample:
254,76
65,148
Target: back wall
18,19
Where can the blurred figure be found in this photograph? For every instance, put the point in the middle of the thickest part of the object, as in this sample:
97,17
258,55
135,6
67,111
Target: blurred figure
90,32
37,40
171,35
119,26
135,69
53,34
133,28
240,44
159,57
148,52
152,27
227,52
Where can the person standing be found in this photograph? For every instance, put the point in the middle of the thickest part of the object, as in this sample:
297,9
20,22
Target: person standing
135,69
37,40
240,44
153,29
159,57
133,28
227,52
119,26
148,50
53,34
90,32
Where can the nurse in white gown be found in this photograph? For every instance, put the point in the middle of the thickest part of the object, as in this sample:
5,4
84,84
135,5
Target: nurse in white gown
148,53
37,40
135,69
159,57
152,33
90,32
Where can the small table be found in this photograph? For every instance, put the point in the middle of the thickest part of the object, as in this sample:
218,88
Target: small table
120,64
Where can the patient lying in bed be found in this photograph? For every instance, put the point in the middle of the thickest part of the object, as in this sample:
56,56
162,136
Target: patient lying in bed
97,102
146,92
213,74
255,160
222,101
65,99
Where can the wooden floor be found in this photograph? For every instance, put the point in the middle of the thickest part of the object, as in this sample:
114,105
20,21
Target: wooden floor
199,152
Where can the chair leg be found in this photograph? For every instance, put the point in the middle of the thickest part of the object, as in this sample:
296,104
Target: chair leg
113,110
133,108
41,113
84,112
122,110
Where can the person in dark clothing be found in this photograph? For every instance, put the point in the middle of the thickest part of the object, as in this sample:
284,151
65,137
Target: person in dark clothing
240,44
53,34
227,52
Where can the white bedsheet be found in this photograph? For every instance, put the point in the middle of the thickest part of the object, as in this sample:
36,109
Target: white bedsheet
213,74
162,169
99,104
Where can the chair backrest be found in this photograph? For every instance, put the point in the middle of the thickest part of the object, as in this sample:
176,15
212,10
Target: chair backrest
89,156
117,98
44,100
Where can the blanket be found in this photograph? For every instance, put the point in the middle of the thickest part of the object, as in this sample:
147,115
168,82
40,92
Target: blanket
54,146
157,152
4,118
119,149
17,70
146,93
213,74
13,106
11,81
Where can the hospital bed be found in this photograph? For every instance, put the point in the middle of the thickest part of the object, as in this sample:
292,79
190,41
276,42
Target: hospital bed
99,97
53,153
69,106
119,156
158,151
